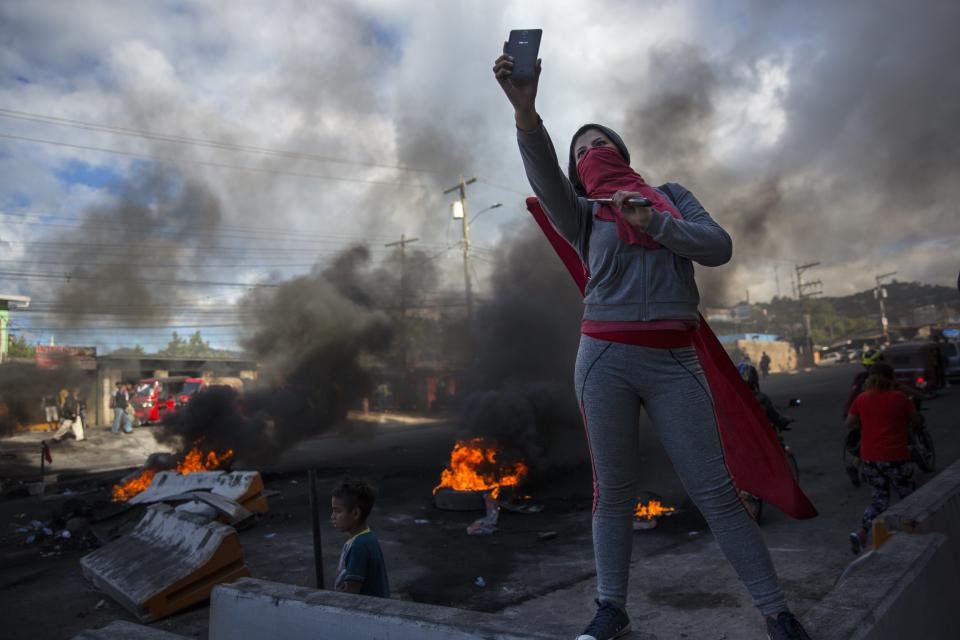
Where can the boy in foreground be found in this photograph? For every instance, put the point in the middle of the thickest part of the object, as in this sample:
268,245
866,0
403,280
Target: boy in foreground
361,569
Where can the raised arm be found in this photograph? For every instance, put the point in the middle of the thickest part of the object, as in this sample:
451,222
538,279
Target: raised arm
566,211
697,237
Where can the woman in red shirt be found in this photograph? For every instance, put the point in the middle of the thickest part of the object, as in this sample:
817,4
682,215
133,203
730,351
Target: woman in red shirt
883,413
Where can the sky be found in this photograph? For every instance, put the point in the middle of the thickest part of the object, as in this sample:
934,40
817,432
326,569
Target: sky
168,144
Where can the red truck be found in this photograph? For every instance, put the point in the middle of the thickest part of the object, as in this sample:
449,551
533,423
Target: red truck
155,398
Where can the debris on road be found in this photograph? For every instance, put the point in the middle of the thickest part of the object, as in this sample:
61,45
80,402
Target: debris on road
486,525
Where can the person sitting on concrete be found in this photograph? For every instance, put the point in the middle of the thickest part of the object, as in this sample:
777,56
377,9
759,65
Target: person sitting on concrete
883,414
121,400
70,417
362,568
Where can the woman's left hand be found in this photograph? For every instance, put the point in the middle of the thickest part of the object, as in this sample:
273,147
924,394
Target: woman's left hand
636,215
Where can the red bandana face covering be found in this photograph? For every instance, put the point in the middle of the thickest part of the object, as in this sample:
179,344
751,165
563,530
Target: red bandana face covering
603,172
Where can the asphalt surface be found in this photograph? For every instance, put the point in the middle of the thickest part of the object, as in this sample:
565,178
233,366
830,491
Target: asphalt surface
681,585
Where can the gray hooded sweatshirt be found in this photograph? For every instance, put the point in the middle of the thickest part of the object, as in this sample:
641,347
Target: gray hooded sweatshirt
628,282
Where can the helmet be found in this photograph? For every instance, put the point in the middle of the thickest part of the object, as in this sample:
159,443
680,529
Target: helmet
750,376
871,357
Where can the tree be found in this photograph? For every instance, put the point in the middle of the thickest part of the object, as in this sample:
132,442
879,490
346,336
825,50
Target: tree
135,350
193,347
176,347
20,348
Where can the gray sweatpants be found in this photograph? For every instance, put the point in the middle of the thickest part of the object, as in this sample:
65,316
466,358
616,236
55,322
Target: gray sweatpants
613,381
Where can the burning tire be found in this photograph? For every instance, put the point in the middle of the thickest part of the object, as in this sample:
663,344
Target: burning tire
453,500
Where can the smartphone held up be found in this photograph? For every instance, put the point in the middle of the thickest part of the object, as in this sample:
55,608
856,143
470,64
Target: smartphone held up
524,47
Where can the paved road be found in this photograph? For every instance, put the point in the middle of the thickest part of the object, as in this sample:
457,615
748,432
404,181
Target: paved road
681,585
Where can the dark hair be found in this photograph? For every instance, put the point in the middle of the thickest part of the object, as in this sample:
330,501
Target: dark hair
572,167
355,493
881,378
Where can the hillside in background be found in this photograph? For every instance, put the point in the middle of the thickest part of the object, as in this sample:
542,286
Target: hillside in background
837,318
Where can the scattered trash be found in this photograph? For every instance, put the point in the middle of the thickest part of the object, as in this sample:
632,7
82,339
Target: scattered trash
100,605
65,534
521,508
421,521
22,529
480,582
30,539
693,533
546,535
268,536
486,525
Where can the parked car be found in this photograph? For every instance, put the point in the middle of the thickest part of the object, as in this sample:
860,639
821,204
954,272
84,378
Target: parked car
156,397
832,357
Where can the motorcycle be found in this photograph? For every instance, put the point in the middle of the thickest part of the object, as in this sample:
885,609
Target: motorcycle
754,504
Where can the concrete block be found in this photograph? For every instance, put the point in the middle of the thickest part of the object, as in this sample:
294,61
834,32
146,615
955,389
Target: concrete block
905,589
257,609
123,630
170,560
933,508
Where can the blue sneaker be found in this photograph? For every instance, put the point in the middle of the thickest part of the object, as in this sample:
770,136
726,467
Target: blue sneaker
609,622
786,627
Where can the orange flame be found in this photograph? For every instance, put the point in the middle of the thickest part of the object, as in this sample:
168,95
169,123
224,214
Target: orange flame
651,510
193,462
473,467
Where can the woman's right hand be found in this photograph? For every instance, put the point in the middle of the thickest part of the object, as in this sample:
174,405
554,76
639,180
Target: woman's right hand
521,94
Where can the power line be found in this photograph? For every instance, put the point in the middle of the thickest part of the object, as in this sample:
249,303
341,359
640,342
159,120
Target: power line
239,231
177,139
208,163
161,281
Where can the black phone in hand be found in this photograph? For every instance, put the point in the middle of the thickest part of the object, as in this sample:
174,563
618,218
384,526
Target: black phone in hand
524,46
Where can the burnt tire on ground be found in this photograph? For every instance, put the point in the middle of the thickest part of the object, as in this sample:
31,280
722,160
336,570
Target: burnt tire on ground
453,500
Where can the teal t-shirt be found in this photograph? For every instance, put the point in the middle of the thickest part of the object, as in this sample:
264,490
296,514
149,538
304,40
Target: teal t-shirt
362,561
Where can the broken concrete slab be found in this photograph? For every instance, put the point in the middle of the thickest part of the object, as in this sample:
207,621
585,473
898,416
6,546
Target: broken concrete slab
168,562
167,484
244,487
252,608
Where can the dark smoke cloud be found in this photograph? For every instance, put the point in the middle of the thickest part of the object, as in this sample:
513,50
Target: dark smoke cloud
23,386
121,259
869,130
525,338
318,338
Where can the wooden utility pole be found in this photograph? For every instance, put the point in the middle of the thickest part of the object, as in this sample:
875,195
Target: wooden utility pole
807,290
880,293
462,188
404,346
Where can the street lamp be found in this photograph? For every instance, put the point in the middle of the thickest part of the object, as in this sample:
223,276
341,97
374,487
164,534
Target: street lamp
477,214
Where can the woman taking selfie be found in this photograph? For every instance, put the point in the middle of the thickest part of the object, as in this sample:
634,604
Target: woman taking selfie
639,328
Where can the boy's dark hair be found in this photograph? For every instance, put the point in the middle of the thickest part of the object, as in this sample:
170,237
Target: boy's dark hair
356,493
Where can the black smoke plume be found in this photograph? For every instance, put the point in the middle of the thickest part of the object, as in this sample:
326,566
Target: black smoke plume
318,339
525,337
23,387
126,257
